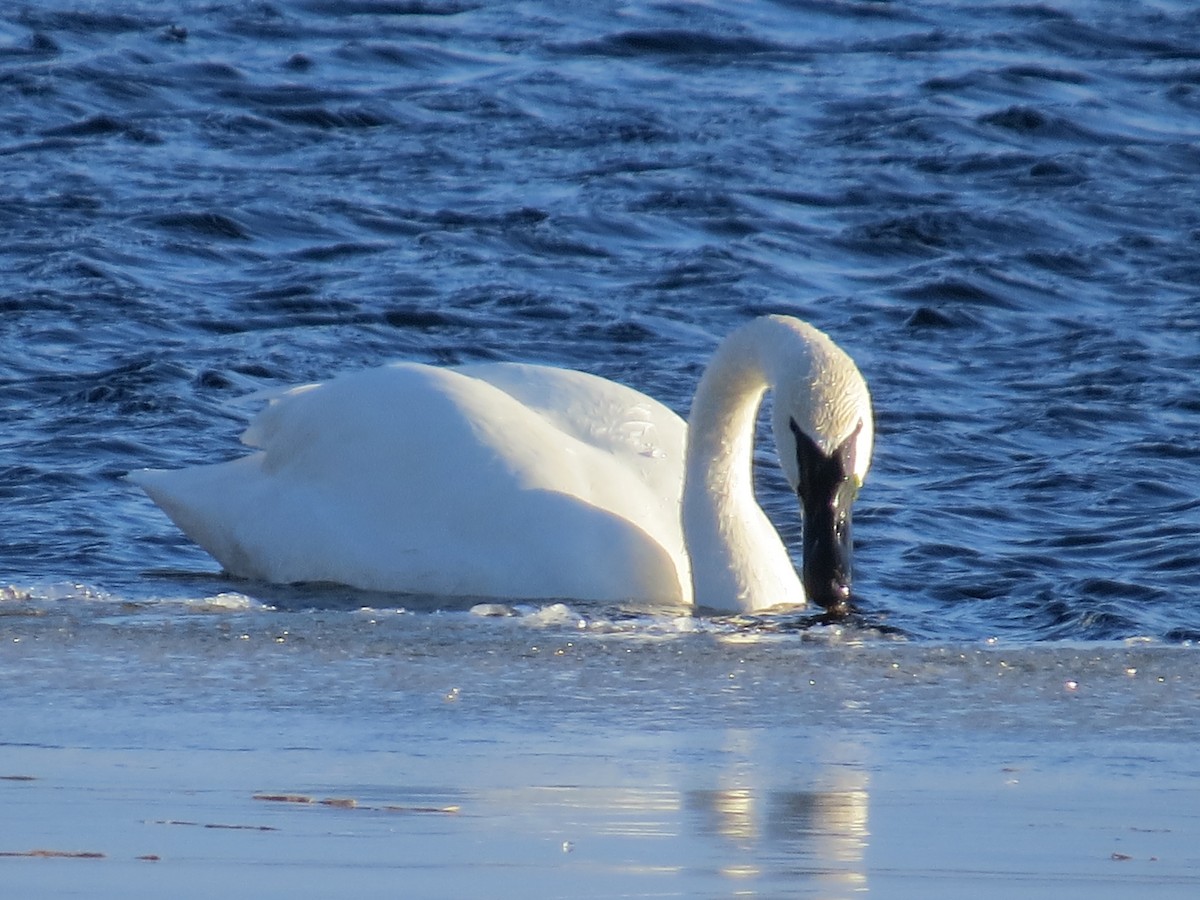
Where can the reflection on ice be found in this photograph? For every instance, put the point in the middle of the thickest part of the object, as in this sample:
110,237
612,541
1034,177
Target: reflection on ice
719,807
820,832
758,837
832,822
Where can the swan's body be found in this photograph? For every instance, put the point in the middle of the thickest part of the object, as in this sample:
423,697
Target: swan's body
521,481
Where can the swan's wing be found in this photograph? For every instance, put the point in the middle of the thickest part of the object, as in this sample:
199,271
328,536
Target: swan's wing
647,436
638,444
411,477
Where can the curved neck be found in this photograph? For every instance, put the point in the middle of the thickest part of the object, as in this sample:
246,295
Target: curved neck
738,560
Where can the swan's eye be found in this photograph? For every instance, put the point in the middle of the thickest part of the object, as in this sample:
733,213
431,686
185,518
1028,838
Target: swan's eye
847,455
833,471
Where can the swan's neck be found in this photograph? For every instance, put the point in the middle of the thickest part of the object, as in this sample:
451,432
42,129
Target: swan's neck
738,560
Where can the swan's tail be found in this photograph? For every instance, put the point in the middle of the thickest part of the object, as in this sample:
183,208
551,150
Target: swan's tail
198,500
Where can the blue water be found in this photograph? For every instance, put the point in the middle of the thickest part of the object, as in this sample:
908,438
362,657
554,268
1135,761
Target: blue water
993,206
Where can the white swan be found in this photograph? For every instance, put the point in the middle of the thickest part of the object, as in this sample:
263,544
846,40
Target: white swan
523,481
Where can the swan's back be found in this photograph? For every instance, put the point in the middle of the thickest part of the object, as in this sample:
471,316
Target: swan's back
489,480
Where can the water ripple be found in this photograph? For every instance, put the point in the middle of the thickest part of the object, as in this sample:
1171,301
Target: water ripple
993,207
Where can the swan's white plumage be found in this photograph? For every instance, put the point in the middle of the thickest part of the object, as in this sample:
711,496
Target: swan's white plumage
520,481
470,482
738,559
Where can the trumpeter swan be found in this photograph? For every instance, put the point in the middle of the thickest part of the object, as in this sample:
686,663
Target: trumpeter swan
524,481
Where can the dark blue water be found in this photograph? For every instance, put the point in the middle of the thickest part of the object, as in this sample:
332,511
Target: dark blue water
995,208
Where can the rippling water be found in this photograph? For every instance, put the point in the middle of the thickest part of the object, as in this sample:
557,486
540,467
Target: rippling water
993,206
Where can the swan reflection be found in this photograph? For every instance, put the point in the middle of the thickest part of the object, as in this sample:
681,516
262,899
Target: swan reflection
822,835
776,820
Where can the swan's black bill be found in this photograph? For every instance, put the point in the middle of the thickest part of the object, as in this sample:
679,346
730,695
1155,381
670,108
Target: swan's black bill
827,489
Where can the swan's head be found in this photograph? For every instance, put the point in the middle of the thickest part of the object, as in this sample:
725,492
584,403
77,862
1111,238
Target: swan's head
824,432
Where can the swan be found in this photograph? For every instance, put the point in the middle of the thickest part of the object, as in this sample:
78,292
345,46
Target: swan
520,481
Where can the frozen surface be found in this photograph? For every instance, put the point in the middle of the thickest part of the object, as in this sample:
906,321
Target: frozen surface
329,752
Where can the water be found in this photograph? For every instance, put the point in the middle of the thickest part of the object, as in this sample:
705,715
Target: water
992,206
